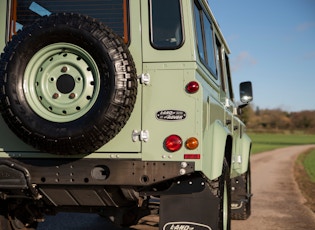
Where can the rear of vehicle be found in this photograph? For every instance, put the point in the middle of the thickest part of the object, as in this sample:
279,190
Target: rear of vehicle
108,105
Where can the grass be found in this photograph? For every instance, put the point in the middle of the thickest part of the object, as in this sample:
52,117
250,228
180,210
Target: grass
304,171
268,141
309,164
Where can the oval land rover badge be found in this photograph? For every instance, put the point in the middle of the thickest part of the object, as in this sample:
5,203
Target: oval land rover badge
185,226
171,115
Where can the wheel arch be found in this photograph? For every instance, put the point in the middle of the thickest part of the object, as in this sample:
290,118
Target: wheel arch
221,147
246,145
228,149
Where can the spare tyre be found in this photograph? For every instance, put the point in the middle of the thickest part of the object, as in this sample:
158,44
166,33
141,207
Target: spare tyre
68,84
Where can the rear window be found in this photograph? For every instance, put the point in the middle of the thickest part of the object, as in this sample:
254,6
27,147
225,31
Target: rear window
166,24
111,12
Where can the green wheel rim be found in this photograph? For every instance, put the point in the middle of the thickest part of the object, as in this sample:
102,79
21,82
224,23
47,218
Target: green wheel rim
61,82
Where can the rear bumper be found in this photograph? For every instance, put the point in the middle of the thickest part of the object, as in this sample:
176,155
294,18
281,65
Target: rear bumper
88,172
82,182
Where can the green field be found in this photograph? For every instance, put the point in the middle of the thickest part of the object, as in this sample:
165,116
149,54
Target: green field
269,141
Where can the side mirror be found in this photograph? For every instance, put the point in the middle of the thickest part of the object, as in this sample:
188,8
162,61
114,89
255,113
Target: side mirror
246,92
246,95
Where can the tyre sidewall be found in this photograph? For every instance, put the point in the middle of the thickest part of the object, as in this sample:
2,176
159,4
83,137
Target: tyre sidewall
225,198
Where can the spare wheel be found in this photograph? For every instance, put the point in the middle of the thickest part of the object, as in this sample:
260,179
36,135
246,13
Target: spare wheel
68,84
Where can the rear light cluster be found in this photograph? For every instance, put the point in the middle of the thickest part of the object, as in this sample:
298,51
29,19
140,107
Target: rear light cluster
174,143
192,87
192,143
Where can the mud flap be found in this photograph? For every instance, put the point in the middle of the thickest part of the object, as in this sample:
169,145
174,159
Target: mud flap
241,197
190,211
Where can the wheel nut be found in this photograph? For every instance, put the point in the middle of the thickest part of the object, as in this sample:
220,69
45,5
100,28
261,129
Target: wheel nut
55,96
64,69
72,95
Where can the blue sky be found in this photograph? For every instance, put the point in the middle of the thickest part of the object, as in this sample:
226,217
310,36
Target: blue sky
272,44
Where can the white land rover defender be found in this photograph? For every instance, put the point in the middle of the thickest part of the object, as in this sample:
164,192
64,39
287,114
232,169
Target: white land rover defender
109,104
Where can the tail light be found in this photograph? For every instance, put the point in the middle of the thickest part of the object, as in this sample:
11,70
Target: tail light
192,87
173,143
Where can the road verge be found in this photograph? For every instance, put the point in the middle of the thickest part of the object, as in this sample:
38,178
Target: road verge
306,186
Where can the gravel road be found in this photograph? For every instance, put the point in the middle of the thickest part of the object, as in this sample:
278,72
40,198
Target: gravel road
277,203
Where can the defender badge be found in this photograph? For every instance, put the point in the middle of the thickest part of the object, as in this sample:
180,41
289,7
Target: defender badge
171,115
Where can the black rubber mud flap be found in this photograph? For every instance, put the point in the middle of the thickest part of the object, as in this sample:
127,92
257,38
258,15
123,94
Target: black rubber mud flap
188,211
197,204
193,210
241,196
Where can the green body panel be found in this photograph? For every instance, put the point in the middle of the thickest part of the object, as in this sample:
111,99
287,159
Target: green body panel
3,23
243,157
166,79
246,149
206,111
241,149
214,157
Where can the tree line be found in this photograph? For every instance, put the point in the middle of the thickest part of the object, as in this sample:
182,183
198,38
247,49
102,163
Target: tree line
277,120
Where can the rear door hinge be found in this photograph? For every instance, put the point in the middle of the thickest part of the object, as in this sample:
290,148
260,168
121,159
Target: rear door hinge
144,78
142,135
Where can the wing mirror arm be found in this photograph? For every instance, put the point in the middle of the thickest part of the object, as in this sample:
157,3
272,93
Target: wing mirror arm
240,108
